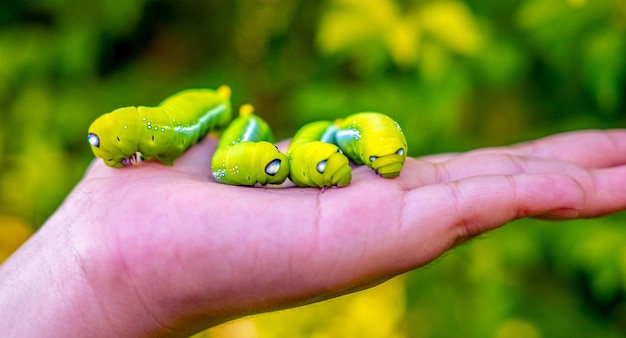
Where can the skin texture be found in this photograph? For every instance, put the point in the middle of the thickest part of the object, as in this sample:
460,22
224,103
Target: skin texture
161,133
246,155
166,251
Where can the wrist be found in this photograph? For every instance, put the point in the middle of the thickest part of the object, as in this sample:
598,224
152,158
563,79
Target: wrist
41,290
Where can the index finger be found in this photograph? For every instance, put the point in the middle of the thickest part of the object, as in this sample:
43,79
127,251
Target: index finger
587,148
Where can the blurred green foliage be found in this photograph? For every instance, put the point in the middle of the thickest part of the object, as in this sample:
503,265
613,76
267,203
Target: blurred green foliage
455,74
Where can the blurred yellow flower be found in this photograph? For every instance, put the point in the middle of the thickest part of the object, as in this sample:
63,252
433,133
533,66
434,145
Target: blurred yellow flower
349,25
452,23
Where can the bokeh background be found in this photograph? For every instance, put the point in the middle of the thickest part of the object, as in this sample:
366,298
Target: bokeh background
455,74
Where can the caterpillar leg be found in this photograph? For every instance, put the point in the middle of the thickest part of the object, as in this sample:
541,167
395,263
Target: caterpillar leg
133,160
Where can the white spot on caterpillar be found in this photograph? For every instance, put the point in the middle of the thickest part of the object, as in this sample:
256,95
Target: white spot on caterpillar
219,174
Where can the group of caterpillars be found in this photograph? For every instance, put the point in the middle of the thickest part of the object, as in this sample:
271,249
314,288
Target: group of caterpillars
319,154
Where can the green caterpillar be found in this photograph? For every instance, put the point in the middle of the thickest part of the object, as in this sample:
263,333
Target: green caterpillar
314,159
126,135
245,154
316,154
375,140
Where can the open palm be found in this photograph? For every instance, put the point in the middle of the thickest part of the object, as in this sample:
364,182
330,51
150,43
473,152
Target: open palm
167,250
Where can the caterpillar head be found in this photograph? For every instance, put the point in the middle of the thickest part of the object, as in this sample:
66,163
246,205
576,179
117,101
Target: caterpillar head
114,139
249,163
319,164
386,156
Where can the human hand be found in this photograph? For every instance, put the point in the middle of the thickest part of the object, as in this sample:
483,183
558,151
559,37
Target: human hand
156,250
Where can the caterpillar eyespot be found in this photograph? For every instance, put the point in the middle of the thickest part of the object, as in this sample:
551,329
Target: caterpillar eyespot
161,133
373,139
321,166
314,159
93,139
273,167
245,154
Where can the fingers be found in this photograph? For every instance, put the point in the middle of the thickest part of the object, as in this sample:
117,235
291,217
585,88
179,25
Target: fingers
589,148
604,188
572,154
418,173
437,217
606,192
569,153
458,210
